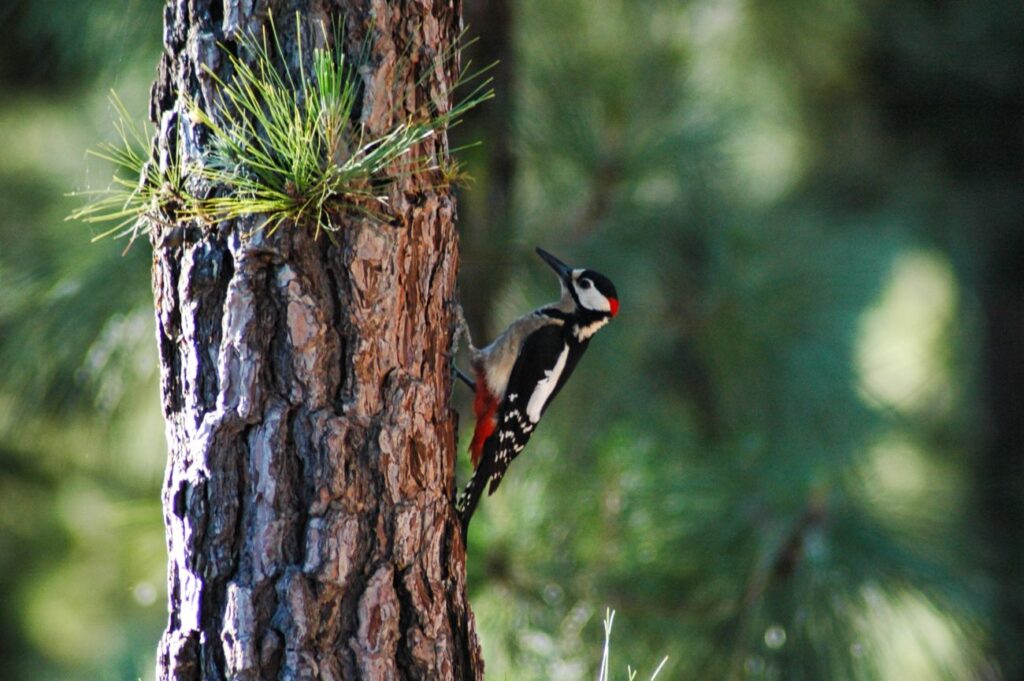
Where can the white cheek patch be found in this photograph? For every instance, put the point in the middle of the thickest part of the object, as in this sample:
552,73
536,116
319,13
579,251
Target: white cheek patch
592,299
545,387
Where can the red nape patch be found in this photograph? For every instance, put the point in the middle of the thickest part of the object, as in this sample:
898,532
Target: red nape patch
614,304
485,406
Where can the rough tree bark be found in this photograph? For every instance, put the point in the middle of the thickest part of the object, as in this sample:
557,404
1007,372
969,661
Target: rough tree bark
305,386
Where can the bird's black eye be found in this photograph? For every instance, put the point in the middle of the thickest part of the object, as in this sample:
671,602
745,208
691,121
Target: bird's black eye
584,284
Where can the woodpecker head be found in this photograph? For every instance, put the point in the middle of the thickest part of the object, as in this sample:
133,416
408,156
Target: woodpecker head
588,291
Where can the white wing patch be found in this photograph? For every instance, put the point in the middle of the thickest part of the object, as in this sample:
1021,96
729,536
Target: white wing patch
546,386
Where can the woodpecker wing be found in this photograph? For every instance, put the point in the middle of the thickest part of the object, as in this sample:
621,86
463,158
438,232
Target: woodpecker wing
542,368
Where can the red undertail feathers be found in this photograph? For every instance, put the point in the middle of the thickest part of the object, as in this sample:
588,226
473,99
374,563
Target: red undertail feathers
485,406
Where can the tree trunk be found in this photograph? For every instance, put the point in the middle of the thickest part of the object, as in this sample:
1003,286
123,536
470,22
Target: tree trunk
305,385
1001,474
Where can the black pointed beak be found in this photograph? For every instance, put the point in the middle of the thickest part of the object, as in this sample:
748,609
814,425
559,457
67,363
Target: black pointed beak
564,271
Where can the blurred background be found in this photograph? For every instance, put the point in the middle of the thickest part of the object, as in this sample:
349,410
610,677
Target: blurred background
797,453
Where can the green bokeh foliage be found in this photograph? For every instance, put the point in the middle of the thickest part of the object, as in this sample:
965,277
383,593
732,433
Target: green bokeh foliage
778,189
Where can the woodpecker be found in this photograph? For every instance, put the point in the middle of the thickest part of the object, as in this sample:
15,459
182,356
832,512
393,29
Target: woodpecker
520,373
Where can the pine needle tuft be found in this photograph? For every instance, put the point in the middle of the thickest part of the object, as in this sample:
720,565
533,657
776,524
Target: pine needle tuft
289,150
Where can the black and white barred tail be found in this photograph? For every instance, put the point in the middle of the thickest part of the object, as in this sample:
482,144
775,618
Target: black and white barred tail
468,500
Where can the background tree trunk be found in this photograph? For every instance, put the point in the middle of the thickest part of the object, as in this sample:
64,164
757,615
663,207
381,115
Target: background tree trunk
305,387
487,213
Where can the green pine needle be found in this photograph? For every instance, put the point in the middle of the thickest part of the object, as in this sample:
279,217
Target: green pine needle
139,193
288,151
